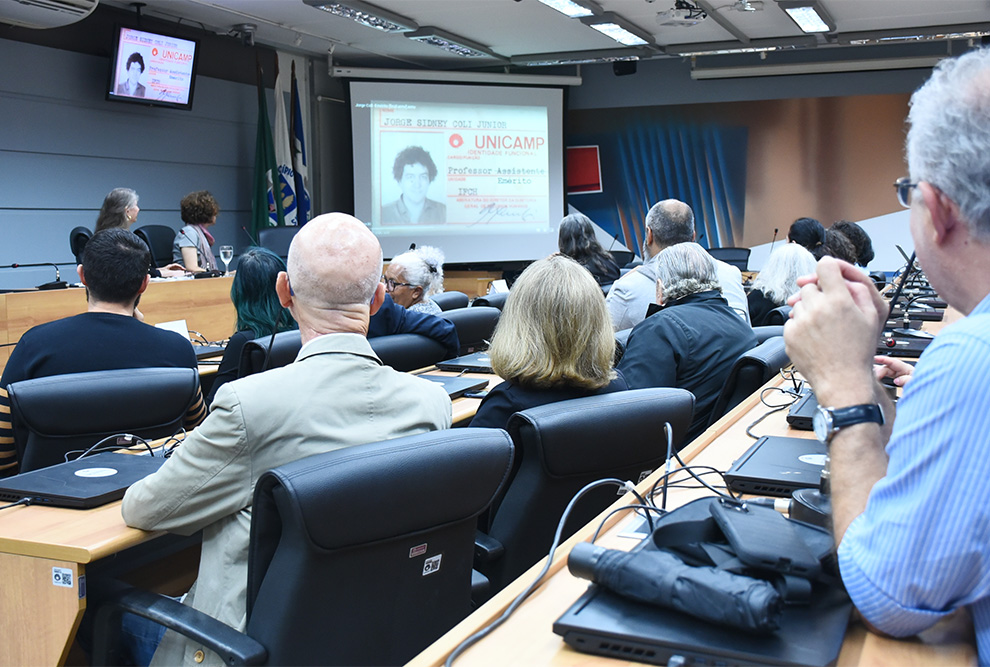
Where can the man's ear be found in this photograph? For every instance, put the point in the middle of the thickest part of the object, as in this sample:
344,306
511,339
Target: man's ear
282,289
659,292
144,283
79,270
943,212
378,299
649,237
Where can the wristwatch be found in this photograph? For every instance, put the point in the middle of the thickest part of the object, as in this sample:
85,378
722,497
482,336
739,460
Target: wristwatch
829,421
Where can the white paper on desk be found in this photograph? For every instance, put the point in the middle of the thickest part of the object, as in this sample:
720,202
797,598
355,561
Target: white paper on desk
178,326
497,286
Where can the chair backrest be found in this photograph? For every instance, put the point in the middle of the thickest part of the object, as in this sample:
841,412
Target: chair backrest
474,325
768,331
622,257
778,316
284,350
750,372
78,238
737,257
160,239
494,300
363,555
277,239
62,413
450,300
561,447
408,352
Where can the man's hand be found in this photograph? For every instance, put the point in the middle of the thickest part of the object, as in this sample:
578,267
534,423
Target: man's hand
888,367
832,335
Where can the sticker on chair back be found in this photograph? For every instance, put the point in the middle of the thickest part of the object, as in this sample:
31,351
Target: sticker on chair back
417,550
432,564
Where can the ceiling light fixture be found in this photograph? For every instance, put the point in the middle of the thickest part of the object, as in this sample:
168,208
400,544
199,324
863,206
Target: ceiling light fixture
754,46
809,15
451,43
574,9
366,15
580,57
920,34
614,26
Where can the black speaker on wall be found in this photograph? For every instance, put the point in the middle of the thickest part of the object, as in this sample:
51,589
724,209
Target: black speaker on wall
624,67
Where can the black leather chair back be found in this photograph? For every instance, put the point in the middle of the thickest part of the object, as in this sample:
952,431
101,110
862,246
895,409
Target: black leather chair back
160,239
495,300
474,325
62,413
78,238
778,316
284,351
362,556
450,300
561,447
737,257
408,352
765,332
750,372
277,239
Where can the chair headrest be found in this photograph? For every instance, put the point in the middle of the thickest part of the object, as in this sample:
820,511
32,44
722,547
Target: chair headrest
772,353
284,351
473,324
408,351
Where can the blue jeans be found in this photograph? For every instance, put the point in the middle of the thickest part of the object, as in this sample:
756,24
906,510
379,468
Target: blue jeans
139,638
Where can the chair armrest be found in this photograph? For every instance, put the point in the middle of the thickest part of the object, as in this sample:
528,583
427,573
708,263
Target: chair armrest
233,647
486,548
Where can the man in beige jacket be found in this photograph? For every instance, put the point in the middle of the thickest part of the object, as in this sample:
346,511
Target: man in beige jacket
336,394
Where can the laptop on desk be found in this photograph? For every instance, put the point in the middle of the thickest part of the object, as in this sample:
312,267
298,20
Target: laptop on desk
778,466
80,484
479,362
456,386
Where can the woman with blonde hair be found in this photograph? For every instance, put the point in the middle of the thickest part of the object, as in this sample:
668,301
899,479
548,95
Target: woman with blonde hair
553,342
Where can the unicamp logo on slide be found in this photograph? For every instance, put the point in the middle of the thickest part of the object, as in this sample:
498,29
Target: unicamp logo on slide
456,140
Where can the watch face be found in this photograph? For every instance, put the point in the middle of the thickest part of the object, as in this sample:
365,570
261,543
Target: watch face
821,421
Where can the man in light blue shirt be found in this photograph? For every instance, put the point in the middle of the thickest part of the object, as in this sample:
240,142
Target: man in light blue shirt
909,500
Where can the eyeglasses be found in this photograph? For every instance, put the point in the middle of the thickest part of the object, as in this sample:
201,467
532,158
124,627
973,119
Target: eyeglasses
390,284
904,187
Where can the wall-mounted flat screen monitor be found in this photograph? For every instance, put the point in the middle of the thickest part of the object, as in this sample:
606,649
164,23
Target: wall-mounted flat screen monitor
152,68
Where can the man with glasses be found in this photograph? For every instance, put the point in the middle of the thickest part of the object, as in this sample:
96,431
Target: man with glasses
908,506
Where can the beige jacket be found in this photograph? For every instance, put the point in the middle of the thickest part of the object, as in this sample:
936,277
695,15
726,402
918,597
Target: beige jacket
336,394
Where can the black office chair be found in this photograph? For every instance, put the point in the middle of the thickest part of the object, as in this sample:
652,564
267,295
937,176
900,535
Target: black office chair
160,239
284,350
451,300
53,416
622,257
360,556
765,332
475,326
778,316
494,300
277,239
750,372
561,447
737,257
78,238
408,352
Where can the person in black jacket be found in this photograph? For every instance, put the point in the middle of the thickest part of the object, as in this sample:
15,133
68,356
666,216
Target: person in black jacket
695,338
576,239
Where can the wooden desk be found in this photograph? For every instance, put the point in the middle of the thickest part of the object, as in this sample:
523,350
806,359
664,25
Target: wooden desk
204,305
527,637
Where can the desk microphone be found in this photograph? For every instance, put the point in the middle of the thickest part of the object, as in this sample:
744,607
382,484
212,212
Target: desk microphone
58,283
774,239
615,239
252,239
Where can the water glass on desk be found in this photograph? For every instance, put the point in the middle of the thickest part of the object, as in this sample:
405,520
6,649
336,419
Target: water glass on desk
226,254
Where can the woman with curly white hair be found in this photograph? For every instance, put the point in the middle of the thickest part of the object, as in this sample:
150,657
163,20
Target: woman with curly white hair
413,277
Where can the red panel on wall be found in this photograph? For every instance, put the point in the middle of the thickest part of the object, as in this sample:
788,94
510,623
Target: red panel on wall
584,171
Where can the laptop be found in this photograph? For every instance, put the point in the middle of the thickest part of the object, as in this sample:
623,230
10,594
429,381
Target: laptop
456,386
778,466
803,411
202,351
479,362
80,484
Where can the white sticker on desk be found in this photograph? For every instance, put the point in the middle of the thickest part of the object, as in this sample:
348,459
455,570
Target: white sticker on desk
62,576
96,472
812,459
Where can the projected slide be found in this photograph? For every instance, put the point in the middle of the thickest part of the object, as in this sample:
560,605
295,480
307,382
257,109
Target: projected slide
154,67
476,170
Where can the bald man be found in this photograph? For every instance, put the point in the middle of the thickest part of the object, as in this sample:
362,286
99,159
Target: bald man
336,394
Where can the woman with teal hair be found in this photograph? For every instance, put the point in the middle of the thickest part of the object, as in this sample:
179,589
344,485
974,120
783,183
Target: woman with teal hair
259,312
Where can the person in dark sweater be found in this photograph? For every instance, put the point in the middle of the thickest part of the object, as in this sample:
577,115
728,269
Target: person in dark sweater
110,335
778,280
576,239
695,338
553,342
259,312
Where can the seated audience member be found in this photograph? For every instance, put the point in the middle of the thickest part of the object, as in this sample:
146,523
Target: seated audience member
807,232
695,338
336,394
193,244
909,509
108,336
778,280
668,223
414,276
859,238
259,312
576,239
120,209
553,342
392,318
836,245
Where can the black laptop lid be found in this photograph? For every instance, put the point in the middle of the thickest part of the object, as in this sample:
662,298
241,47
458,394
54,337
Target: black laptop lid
479,362
456,386
778,466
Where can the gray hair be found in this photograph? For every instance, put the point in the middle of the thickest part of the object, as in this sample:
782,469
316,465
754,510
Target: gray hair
423,267
948,142
778,277
671,222
114,210
683,269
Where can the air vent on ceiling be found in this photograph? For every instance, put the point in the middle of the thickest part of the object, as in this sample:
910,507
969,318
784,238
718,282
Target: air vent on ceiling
40,14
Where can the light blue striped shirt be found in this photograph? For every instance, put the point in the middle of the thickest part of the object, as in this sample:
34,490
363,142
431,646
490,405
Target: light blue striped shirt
921,549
